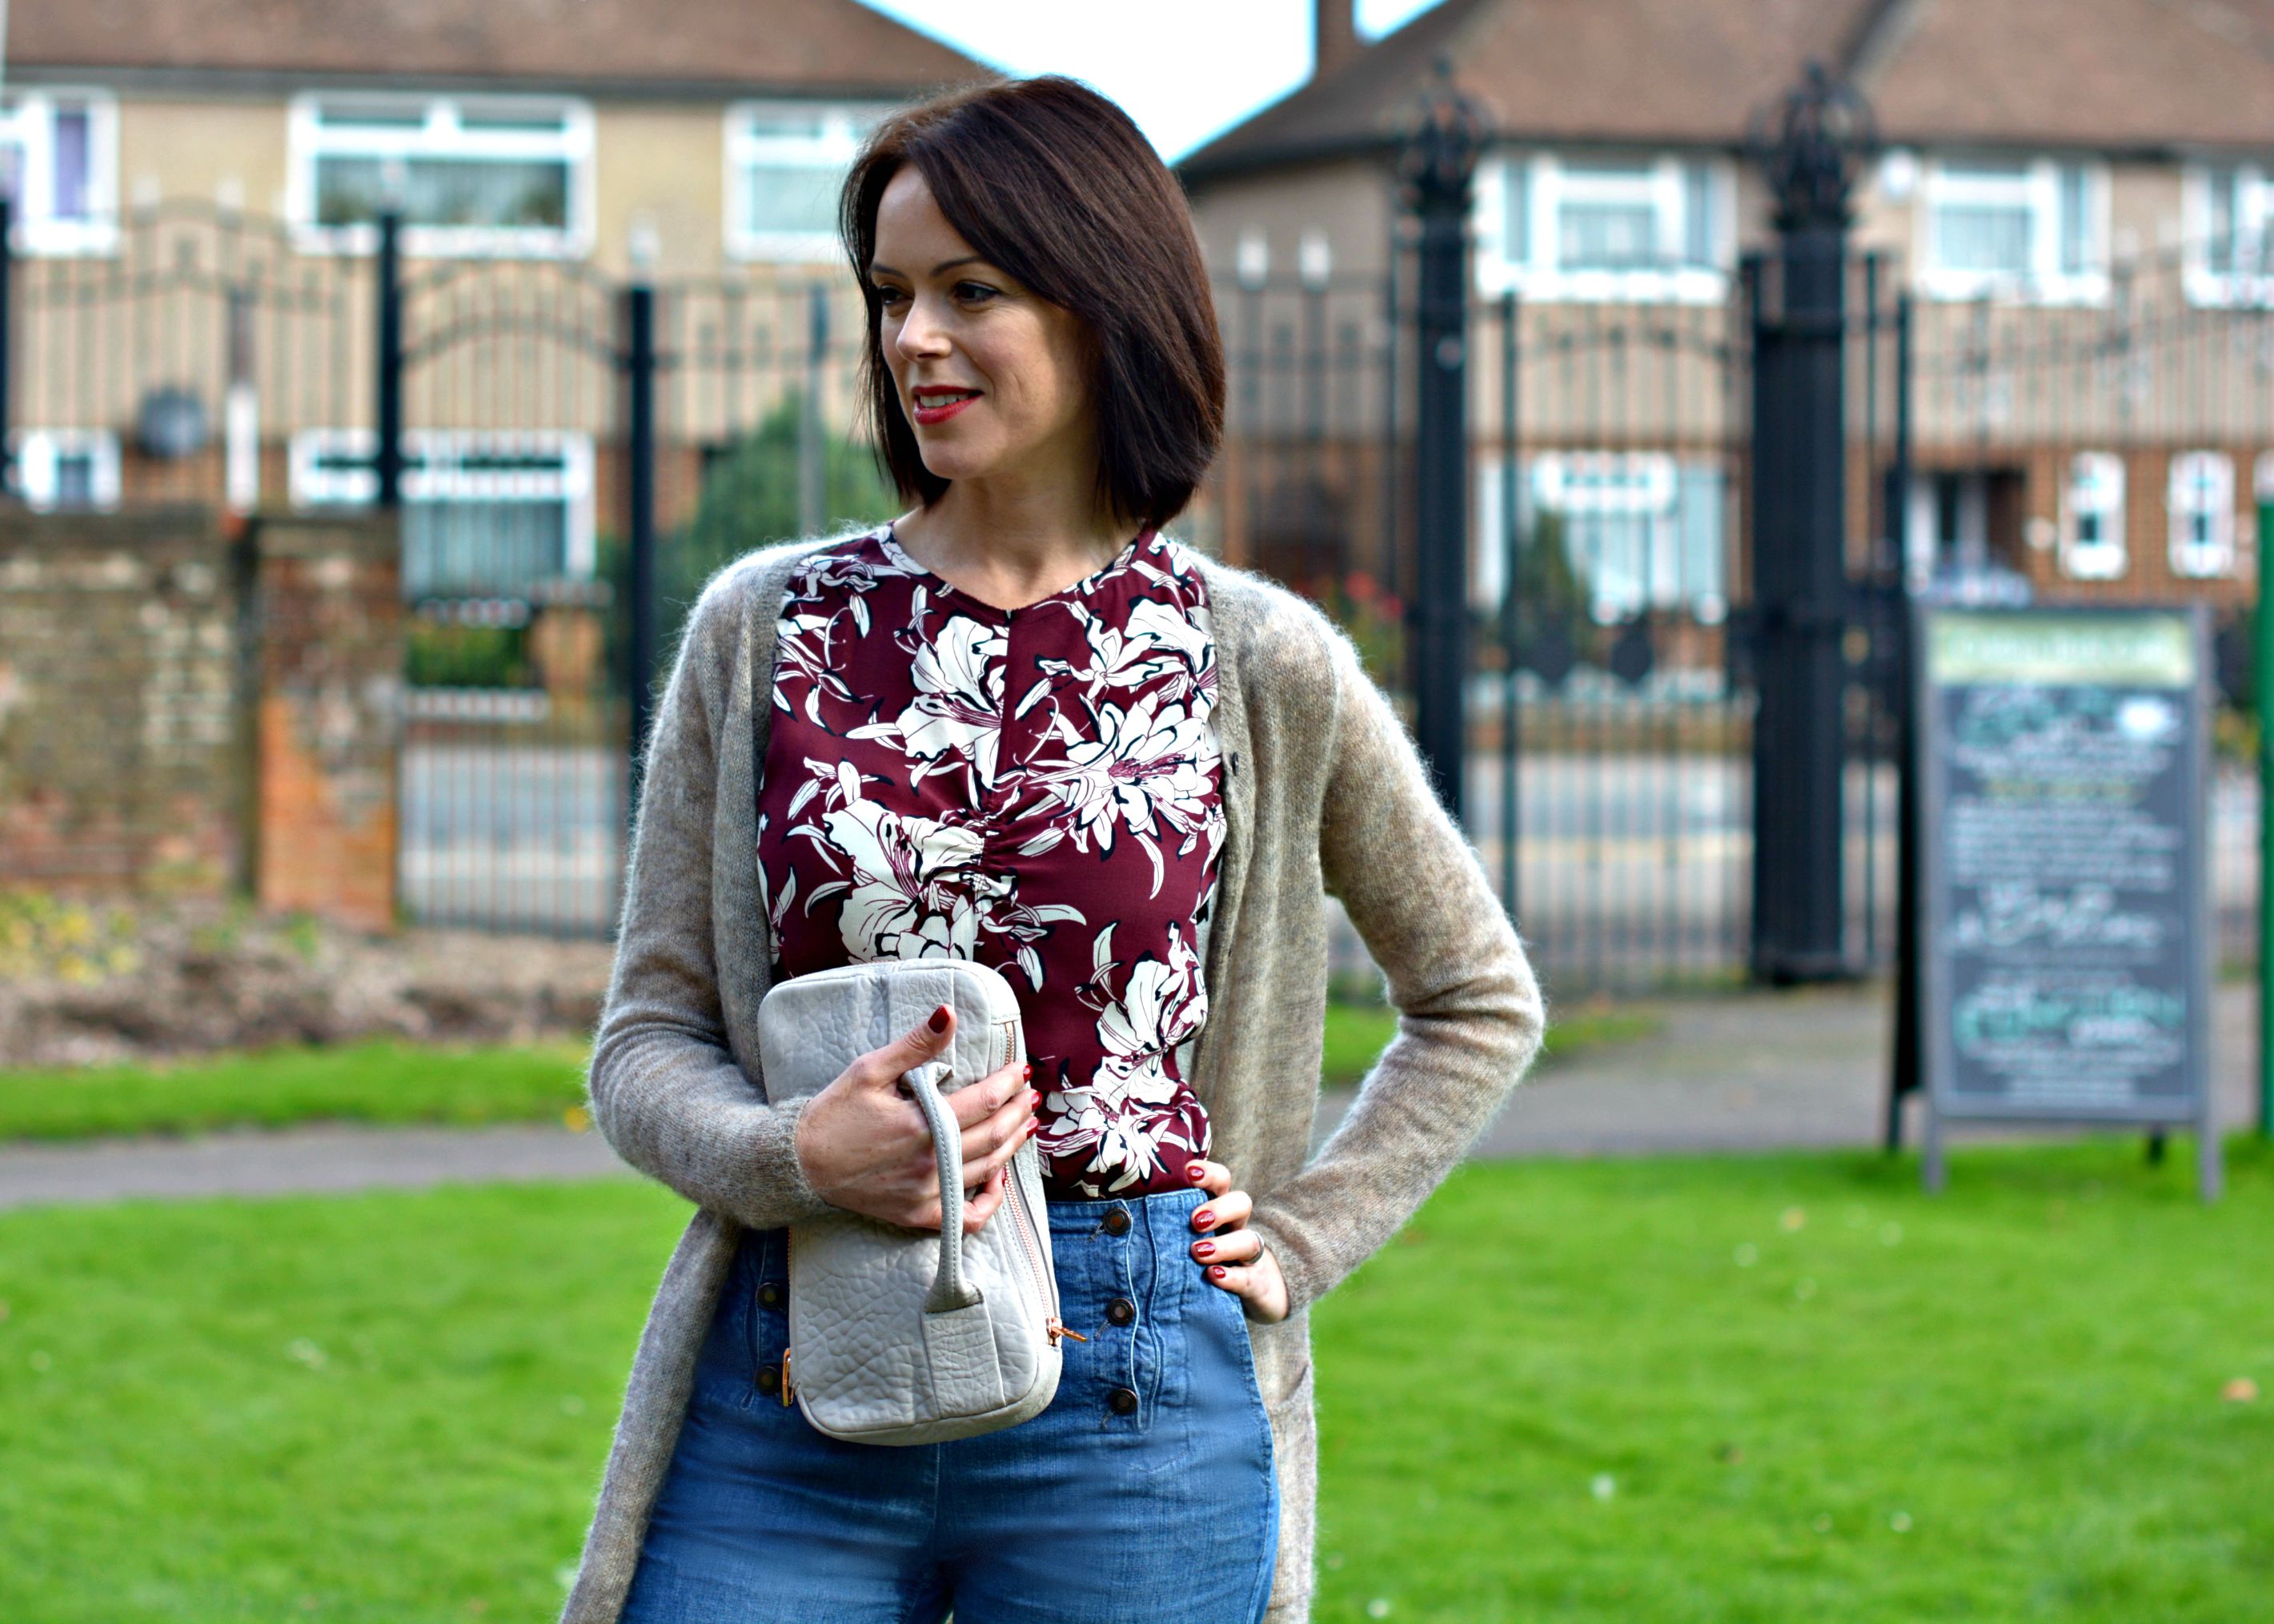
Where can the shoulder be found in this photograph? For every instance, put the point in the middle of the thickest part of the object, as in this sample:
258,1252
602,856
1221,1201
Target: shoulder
1281,638
731,599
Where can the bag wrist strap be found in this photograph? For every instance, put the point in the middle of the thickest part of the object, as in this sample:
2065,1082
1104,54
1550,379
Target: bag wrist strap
949,1290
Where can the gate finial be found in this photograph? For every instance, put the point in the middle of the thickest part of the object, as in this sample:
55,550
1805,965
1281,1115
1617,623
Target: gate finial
1812,147
1441,145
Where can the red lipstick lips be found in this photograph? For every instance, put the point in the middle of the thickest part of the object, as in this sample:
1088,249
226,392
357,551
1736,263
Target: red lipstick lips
946,405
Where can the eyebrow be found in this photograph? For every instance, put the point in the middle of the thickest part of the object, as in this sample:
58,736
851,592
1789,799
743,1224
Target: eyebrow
942,267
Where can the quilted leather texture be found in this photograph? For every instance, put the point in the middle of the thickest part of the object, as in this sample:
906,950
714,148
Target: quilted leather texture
868,1363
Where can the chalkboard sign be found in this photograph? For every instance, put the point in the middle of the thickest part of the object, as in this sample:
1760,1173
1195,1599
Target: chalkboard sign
2066,958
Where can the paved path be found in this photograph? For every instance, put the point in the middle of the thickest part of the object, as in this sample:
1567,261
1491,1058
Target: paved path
297,1161
1748,1072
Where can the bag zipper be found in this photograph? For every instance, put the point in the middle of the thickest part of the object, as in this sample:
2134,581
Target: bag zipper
789,1273
1022,1220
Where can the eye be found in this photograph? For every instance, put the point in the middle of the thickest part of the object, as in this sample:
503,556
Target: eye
887,295
974,292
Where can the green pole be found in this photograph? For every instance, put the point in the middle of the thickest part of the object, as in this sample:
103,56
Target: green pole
2262,697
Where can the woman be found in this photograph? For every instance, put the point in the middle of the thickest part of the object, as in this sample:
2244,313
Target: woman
1023,725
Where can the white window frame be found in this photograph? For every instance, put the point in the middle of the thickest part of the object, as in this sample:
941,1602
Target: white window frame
2093,486
2038,188
840,129
36,453
1251,257
432,472
1548,185
28,123
2253,230
441,134
2202,487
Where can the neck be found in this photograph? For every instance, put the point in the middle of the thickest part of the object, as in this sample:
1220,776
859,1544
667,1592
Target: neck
1011,539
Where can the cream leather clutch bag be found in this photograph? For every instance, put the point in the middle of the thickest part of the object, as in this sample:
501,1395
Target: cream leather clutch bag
899,1335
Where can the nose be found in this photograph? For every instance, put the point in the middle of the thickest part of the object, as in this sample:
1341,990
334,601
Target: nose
920,335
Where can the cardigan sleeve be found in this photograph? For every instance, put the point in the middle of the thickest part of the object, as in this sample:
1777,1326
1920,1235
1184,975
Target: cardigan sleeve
1470,1015
665,1089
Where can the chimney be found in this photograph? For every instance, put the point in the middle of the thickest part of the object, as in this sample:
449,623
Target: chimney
1335,40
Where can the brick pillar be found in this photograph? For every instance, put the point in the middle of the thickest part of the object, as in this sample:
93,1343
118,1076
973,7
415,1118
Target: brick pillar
328,633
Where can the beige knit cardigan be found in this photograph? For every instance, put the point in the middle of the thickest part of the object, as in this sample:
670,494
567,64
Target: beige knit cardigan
1323,792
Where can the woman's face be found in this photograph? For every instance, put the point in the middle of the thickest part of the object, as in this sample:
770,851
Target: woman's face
990,376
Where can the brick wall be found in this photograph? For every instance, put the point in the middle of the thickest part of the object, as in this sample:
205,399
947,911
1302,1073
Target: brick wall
182,710
123,756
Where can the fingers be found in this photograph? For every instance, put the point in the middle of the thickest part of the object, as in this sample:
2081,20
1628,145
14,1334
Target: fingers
1212,1176
983,1099
1240,1246
881,1068
1260,1286
977,1209
1227,1211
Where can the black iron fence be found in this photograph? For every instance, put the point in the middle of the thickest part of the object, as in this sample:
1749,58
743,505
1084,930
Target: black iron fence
574,452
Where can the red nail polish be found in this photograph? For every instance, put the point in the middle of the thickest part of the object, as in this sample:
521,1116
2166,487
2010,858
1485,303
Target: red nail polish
939,1018
1204,1249
1026,1072
1195,1171
1216,1273
1203,1218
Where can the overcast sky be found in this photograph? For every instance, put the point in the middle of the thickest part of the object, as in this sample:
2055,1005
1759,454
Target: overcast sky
1184,69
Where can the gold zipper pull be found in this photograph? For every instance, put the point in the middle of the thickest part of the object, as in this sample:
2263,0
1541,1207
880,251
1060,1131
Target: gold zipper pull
785,1381
1057,1328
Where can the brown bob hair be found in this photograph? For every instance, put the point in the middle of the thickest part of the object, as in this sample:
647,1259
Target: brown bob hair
1053,183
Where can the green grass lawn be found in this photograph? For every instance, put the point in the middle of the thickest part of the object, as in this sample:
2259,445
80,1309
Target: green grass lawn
1756,1389
383,1083
273,1088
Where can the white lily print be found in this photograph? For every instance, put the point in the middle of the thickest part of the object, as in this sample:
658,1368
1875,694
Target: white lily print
1163,642
907,880
857,573
1162,1006
1125,1115
1148,769
957,715
803,654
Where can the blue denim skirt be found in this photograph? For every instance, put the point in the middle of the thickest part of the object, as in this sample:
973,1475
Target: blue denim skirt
1144,1493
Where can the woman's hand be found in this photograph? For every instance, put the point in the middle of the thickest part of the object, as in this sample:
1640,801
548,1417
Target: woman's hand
866,1147
1233,1256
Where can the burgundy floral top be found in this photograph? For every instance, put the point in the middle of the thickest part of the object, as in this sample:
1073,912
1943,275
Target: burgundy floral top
1037,789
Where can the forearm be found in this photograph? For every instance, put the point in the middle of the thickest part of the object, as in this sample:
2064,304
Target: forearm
666,1088
678,1108
1470,1015
1433,1091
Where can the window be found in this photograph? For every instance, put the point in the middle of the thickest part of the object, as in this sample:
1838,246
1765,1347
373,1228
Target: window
59,164
2092,517
2202,504
483,514
1604,227
471,175
1253,257
785,163
2230,233
1641,529
2028,228
60,470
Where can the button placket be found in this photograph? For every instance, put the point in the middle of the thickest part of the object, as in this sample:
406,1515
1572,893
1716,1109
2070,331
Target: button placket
765,1303
1117,1353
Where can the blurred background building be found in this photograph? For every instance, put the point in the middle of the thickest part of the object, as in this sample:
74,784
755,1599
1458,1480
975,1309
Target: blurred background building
557,286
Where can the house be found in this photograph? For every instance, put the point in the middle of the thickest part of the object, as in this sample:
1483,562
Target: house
2078,196
195,184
